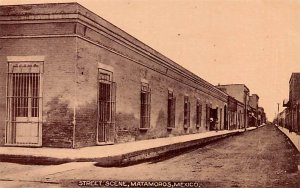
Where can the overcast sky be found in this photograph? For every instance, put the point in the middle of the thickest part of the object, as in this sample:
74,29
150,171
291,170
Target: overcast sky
252,42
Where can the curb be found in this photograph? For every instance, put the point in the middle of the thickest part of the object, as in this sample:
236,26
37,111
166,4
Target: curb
289,139
121,160
158,153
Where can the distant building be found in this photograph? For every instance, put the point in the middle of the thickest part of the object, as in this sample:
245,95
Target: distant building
239,92
253,110
281,119
232,113
261,117
293,104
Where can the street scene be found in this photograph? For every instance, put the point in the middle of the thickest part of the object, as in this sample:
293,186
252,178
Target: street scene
258,158
126,93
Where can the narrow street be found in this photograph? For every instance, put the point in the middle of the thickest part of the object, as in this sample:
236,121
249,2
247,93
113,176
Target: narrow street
259,158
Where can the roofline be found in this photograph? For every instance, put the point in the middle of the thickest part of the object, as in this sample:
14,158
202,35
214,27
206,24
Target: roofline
133,41
233,84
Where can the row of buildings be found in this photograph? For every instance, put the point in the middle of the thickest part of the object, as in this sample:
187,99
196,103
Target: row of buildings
290,116
69,78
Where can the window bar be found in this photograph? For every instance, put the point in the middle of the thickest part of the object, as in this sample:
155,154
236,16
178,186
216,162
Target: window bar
37,104
15,96
189,113
33,96
23,98
7,134
107,114
26,95
108,98
37,97
12,93
20,96
10,107
23,85
8,103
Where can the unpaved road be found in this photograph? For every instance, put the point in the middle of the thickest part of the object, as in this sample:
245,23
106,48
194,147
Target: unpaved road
259,158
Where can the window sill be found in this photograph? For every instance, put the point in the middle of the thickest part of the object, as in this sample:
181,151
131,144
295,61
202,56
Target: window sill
144,128
170,128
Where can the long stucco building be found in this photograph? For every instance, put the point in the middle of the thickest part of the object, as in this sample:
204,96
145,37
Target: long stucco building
69,78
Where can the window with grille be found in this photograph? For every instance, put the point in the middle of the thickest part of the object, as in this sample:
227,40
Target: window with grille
145,106
24,100
186,112
106,106
198,113
171,110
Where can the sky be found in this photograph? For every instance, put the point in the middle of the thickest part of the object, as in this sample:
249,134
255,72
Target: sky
251,42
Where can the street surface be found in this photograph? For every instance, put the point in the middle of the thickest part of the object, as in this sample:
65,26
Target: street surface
259,158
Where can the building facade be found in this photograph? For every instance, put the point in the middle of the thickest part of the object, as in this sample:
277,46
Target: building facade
232,113
240,93
69,78
294,99
253,111
261,117
292,111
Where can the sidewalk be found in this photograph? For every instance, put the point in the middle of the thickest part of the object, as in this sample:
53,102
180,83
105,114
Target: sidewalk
118,154
294,138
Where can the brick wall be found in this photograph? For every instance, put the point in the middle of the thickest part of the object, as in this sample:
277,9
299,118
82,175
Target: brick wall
58,84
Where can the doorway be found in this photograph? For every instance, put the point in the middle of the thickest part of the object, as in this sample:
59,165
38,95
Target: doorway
106,107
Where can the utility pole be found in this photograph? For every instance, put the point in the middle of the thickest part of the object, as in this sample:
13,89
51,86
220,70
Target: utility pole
245,110
278,114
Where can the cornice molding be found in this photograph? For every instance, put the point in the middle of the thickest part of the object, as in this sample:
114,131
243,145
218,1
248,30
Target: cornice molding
123,39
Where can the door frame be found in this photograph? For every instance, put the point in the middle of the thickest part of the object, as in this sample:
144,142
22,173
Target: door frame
112,101
17,60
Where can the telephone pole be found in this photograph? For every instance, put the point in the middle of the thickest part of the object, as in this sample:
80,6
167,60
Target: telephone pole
278,114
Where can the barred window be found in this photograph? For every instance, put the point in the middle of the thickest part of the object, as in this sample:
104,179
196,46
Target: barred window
145,106
171,110
186,112
106,107
24,100
198,113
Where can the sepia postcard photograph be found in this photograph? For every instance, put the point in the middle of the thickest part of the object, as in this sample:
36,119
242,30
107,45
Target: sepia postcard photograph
150,93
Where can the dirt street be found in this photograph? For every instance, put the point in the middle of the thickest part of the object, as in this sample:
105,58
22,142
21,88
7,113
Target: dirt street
259,158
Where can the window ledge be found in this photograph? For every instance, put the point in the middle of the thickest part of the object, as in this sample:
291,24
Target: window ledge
170,128
144,128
